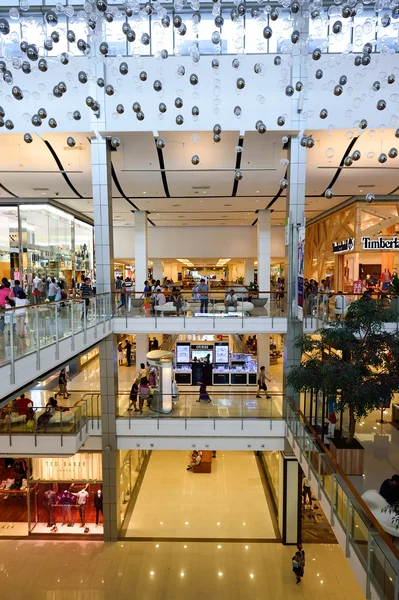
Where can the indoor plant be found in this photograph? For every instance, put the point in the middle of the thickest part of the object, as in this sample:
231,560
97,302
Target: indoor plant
355,360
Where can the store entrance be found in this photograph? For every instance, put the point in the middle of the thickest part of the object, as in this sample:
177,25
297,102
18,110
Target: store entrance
227,499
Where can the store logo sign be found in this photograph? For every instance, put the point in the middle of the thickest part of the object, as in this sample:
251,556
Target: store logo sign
380,243
344,246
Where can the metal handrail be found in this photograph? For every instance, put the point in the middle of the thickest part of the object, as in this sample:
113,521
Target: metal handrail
347,482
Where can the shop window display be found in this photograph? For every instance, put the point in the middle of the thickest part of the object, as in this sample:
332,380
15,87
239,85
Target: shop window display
14,496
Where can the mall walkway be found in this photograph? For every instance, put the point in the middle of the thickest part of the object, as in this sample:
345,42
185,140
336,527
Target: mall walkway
171,571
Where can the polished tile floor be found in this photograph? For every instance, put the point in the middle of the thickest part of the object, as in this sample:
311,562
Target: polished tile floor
171,571
229,502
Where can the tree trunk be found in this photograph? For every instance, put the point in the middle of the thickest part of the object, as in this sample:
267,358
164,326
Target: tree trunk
352,425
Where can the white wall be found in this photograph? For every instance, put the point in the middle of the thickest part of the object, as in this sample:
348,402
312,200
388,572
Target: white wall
196,242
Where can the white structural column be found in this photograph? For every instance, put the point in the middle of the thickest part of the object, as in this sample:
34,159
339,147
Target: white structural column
249,267
264,242
289,498
157,269
140,249
264,351
102,208
141,349
103,235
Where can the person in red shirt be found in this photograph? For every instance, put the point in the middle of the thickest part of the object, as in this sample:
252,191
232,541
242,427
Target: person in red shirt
23,404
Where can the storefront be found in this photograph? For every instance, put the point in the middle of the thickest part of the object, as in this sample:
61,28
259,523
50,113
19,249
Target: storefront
357,247
45,241
131,464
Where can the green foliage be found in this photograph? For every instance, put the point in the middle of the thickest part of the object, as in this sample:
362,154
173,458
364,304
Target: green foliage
354,359
240,280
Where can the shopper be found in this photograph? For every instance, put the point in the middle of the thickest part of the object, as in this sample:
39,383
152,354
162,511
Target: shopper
23,404
17,287
340,306
144,392
202,289
128,288
296,566
51,408
262,387
230,300
37,289
203,393
122,293
52,288
302,561
390,490
177,300
155,343
133,395
21,302
306,493
143,372
128,348
86,293
5,292
62,382
120,354
195,460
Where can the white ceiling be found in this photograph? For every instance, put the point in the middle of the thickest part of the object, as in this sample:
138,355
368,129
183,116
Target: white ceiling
212,203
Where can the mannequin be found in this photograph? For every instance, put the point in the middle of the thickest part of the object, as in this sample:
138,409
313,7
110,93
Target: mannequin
82,497
98,504
48,505
66,499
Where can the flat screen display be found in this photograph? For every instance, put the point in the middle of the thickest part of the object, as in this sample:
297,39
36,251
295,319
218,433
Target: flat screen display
200,352
182,353
221,353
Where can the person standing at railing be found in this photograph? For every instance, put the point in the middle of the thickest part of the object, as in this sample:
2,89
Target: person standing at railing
340,306
203,289
21,302
37,289
62,382
52,289
128,287
86,293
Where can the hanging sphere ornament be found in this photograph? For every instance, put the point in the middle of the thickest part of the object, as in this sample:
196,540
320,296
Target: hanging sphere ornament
337,27
381,104
235,63
100,82
319,74
299,86
101,6
338,89
28,138
217,138
157,85
283,184
376,86
195,111
238,175
241,9
323,113
280,121
267,32
277,61
1,122
179,120
123,68
9,124
90,101
237,110
295,7
148,9
71,142
240,83
219,21
82,77
260,126
370,198
26,67
316,54
363,124
346,12
289,91
217,129
391,79
366,60
348,161
160,143
215,63
140,116
4,26
303,141
136,107
52,123
295,36
42,113
76,115
82,45
343,80
42,65
195,159
177,21
32,52
131,36
71,36
17,92
125,27
164,54
178,102
329,194
55,36
120,109
115,142
24,46
109,90
181,71
165,21
162,107
64,60
274,13
393,153
193,79
382,158
357,61
143,76
62,87
145,39
386,21
258,68
309,142
36,121
51,17
356,155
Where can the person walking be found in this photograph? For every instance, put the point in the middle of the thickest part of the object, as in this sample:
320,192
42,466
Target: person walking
21,302
262,387
296,566
120,354
202,289
306,493
86,293
52,290
37,289
128,287
128,348
62,382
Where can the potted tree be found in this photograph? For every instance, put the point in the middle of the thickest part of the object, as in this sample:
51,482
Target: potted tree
357,361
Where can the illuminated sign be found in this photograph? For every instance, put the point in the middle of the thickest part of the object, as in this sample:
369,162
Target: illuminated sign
344,246
380,243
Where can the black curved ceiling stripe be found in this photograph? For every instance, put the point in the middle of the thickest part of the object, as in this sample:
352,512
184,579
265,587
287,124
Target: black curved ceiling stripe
122,193
163,173
61,168
277,196
341,164
238,165
3,187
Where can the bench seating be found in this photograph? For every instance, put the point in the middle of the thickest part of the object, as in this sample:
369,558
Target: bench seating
205,465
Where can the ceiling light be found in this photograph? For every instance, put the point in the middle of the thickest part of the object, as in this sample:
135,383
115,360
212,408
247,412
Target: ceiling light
144,192
204,191
257,191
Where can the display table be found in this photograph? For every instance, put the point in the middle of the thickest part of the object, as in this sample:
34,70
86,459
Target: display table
169,308
242,306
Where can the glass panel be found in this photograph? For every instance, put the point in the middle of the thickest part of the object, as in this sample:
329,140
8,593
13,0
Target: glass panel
232,36
61,28
340,502
359,534
83,250
206,28
318,33
339,42
364,29
162,37
116,39
140,25
387,37
9,243
254,40
9,44
326,476
281,32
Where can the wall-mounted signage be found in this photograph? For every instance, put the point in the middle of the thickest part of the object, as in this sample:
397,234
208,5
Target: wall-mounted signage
344,246
380,243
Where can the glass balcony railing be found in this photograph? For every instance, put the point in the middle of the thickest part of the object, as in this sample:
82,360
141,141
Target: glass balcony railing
29,329
364,535
64,422
212,306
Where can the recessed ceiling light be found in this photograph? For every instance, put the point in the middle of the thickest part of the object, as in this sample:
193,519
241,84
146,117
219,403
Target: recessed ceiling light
360,190
204,191
257,191
144,192
176,204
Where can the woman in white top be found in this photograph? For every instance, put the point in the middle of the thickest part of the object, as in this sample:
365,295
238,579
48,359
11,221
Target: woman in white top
143,372
21,302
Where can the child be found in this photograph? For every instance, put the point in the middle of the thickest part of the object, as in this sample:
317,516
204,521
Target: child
203,393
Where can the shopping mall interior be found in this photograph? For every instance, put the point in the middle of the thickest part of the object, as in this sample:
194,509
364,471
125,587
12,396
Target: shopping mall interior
199,314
